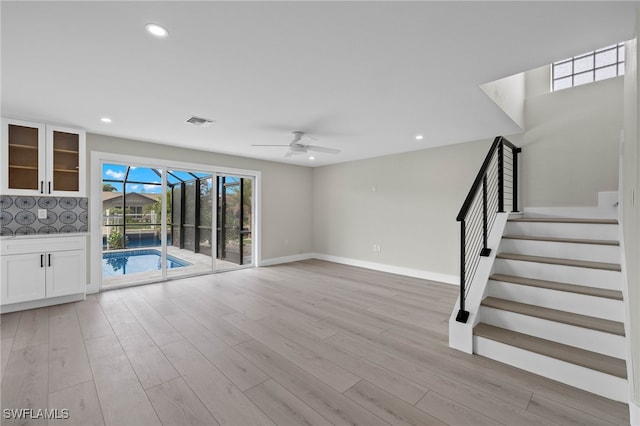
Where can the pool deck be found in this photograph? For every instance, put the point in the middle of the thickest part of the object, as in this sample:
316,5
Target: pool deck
200,263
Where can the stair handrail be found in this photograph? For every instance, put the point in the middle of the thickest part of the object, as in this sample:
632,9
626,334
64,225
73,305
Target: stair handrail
478,212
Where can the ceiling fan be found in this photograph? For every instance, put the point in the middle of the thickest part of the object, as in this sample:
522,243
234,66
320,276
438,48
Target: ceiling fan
295,147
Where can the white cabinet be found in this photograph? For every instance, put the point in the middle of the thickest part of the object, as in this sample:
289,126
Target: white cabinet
23,278
39,159
64,276
41,268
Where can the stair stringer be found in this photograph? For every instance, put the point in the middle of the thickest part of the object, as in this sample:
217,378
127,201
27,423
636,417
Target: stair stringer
634,400
461,334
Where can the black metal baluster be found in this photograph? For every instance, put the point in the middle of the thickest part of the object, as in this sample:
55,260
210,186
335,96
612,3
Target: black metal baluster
462,314
500,177
515,152
485,250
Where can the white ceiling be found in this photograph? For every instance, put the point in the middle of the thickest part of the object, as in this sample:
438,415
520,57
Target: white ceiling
363,77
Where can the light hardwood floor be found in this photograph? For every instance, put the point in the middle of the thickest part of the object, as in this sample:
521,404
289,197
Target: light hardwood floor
310,342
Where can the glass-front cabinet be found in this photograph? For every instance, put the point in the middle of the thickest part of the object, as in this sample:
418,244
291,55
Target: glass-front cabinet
24,151
41,159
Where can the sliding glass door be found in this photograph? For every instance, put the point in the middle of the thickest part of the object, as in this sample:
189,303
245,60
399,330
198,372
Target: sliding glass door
234,221
160,223
131,224
190,221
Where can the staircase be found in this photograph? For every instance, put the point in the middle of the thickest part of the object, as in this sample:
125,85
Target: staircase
553,303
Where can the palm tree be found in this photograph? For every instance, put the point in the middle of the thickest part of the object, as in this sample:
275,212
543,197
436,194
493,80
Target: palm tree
107,187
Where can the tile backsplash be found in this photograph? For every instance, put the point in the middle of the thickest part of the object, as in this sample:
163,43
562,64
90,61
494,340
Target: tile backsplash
19,215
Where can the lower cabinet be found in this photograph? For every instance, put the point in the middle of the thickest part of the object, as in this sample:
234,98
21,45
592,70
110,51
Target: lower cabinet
42,268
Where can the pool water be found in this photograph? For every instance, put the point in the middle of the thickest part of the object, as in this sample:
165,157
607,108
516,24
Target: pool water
135,261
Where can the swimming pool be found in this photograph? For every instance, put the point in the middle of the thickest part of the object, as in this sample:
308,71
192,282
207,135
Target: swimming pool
135,261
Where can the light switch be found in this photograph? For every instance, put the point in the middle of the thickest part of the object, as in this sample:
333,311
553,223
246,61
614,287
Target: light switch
42,213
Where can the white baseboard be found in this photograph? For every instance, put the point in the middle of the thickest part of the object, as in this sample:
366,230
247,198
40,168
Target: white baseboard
92,288
399,270
33,304
574,212
285,259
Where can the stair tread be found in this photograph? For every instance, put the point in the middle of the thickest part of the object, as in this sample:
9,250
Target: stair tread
584,321
554,285
564,220
595,361
559,261
562,240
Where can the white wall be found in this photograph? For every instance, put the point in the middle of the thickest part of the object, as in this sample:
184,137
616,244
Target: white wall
286,189
630,211
411,214
570,147
509,94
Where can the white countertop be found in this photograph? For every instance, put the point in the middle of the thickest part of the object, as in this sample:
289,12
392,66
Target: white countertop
58,235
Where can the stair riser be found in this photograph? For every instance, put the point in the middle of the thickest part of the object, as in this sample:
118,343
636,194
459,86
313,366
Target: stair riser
589,252
566,230
598,307
583,378
583,338
599,278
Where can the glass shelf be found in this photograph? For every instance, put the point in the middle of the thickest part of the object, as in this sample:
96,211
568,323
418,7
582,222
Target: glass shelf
16,145
12,166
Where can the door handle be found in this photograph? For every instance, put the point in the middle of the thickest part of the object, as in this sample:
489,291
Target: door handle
42,187
42,260
49,259
49,187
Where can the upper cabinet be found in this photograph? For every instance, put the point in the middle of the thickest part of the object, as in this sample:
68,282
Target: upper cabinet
41,159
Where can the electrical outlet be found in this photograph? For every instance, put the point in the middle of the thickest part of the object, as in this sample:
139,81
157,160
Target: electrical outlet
42,213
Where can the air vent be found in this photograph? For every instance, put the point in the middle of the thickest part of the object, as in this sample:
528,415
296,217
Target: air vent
199,121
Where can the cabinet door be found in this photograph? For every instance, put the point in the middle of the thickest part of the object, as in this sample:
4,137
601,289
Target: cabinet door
65,161
23,157
65,272
23,277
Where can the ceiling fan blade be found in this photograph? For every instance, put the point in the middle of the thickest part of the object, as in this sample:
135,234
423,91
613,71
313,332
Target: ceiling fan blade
322,149
269,145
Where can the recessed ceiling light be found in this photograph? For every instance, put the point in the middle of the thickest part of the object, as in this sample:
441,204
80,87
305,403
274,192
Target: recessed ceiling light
157,30
105,120
312,158
419,137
